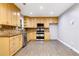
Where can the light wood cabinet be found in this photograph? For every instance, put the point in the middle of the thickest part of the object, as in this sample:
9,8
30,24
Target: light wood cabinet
4,46
31,34
47,34
11,48
31,22
9,14
15,44
17,20
3,14
20,41
27,23
13,15
55,21
10,45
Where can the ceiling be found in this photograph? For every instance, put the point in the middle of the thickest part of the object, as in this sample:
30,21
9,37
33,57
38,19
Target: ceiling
43,9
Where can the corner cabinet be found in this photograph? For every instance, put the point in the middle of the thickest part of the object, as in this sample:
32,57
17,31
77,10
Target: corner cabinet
9,14
10,45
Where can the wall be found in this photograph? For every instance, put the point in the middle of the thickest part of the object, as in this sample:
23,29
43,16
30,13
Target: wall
68,28
53,29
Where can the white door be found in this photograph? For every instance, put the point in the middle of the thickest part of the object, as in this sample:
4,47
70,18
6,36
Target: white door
53,31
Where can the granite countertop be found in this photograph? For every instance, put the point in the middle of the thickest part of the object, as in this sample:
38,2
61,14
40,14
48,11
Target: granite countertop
9,33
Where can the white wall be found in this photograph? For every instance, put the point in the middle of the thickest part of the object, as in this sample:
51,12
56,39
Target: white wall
68,28
53,29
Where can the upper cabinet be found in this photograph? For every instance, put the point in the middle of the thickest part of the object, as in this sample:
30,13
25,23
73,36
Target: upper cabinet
31,22
9,14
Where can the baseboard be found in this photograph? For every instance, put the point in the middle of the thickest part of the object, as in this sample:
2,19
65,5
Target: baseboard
53,39
75,50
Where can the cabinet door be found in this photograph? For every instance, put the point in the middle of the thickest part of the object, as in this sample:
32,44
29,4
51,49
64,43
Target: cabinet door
35,22
29,35
30,23
27,22
55,20
4,46
3,14
9,14
16,44
13,15
46,23
47,34
34,35
20,41
11,45
17,17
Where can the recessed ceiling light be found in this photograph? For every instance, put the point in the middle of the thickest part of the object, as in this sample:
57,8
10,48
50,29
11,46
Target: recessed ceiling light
41,7
51,13
31,13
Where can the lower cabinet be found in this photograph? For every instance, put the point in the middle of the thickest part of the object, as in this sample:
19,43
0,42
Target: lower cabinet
4,46
31,34
20,41
46,34
10,45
